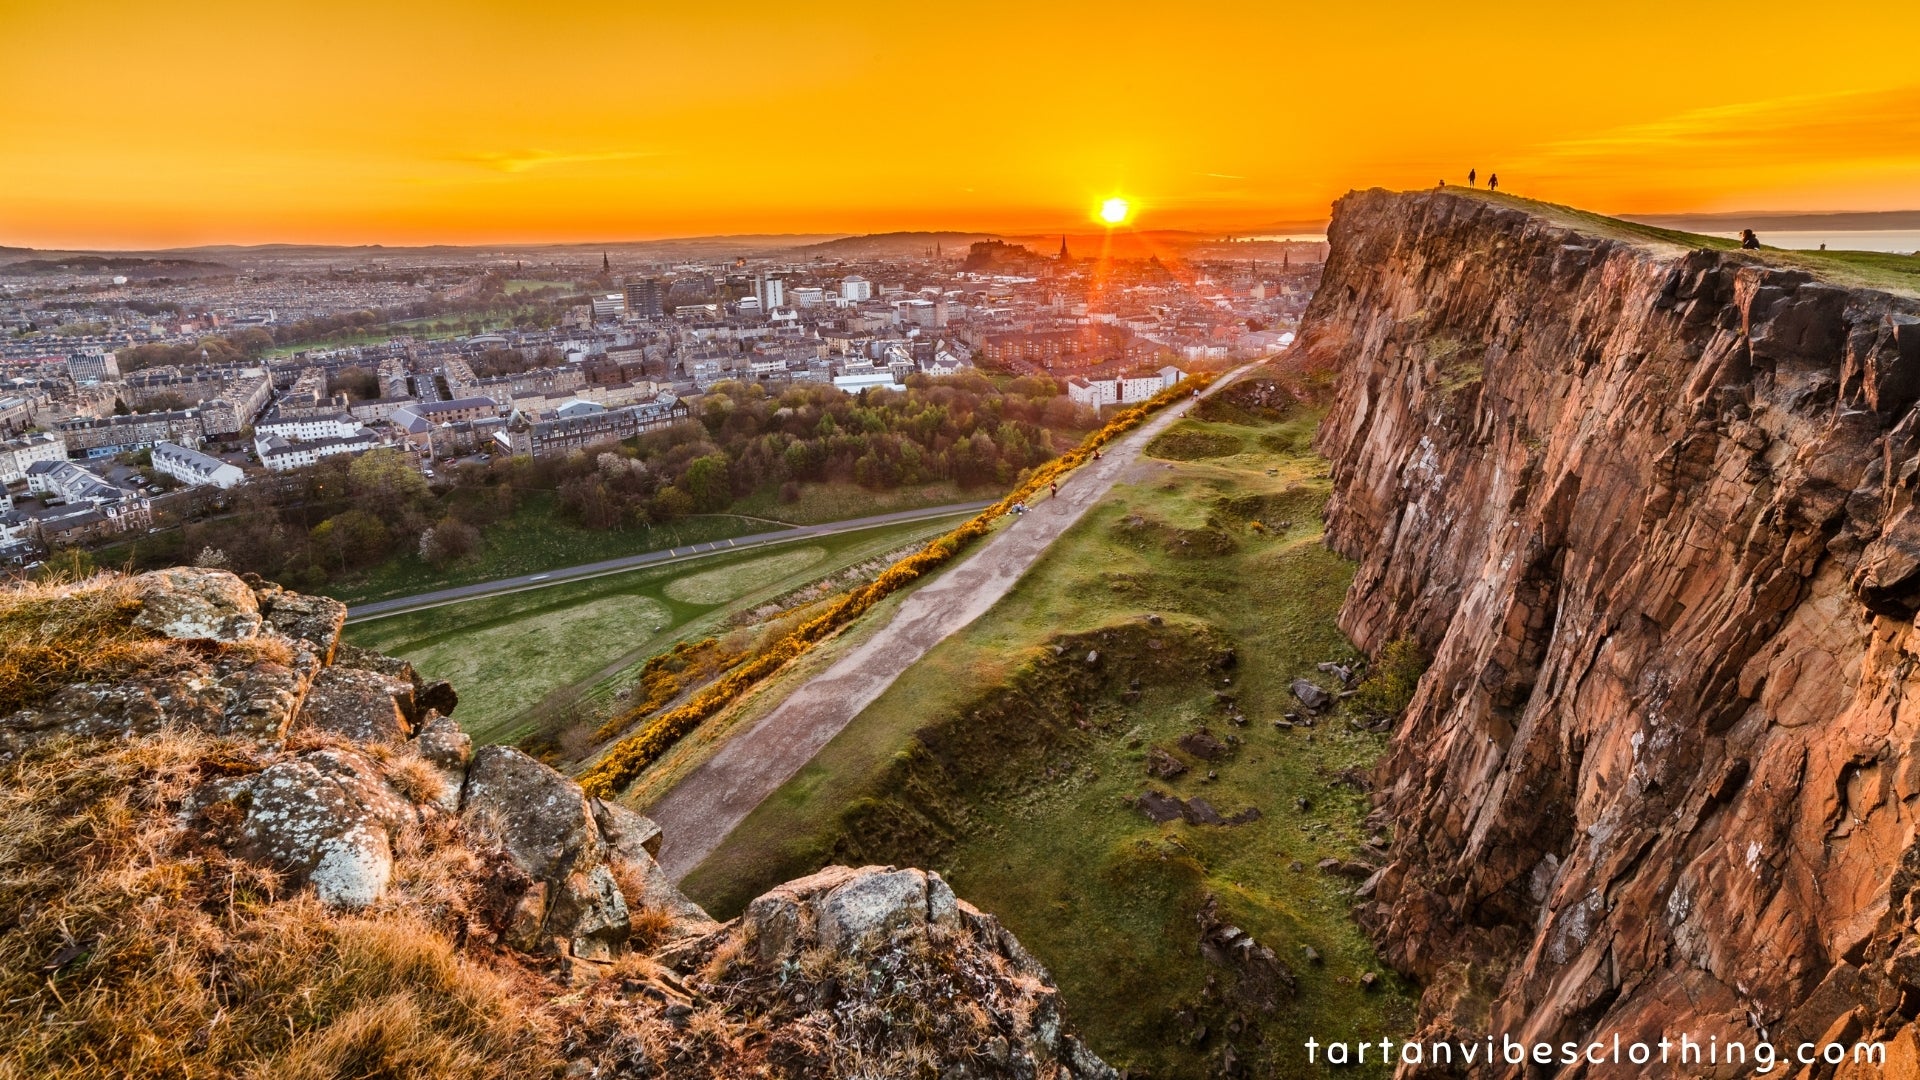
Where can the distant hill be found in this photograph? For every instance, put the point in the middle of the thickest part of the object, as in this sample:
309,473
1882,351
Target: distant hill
100,264
882,245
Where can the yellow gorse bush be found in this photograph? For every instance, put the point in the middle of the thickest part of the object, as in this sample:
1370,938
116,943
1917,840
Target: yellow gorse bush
627,759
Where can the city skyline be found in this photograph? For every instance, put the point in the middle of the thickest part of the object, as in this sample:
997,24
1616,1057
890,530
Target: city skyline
211,123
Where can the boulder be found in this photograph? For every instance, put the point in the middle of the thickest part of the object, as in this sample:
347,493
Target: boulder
1310,694
540,817
1163,765
1204,744
365,706
626,832
774,920
848,911
316,620
194,604
590,914
325,818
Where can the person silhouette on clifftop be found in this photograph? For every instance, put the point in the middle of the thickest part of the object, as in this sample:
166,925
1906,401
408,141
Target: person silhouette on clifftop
1493,181
1748,241
1473,177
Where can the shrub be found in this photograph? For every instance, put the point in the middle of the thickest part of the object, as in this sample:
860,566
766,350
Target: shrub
1391,680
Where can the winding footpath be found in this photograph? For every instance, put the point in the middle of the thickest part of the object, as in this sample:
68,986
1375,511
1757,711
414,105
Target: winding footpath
710,801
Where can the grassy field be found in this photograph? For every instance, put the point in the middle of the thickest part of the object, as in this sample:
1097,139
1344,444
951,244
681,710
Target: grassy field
516,286
532,540
508,654
1005,760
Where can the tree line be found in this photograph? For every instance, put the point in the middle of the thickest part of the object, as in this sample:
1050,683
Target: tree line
341,516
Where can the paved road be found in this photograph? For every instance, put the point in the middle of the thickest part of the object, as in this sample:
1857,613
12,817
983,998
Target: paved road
709,802
457,594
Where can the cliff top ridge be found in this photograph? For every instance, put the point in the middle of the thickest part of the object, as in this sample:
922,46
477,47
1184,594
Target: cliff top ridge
1885,271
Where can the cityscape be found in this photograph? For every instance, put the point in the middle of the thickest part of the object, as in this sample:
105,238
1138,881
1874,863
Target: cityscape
136,390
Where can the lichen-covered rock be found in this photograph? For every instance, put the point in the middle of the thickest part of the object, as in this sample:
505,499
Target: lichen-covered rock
194,604
896,941
365,706
316,620
227,696
874,904
589,911
326,818
542,819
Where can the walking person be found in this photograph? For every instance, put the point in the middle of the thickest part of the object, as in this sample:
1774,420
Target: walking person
1473,177
1493,181
1055,489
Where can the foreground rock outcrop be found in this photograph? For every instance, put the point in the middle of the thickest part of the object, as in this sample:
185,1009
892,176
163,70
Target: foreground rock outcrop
237,845
1651,512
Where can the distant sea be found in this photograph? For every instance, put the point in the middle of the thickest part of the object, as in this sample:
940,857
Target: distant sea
1904,241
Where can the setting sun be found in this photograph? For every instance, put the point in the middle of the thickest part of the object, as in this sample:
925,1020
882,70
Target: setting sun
1115,211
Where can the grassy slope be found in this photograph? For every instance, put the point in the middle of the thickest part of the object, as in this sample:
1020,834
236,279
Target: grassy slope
976,763
507,653
1866,269
837,501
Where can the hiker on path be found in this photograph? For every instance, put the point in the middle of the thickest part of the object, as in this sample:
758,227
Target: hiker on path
1056,488
1493,181
1473,177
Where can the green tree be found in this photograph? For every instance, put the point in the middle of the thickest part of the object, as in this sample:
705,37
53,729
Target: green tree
706,483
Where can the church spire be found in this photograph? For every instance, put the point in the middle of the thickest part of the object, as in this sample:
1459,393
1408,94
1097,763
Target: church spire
1064,256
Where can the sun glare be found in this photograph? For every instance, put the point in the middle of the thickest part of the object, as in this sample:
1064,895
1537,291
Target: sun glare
1115,211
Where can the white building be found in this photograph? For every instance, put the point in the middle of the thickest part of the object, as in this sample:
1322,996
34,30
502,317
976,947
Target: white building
1122,390
809,296
772,293
309,428
854,288
18,455
279,455
195,468
853,384
609,305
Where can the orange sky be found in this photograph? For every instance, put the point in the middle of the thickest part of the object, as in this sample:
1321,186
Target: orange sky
144,124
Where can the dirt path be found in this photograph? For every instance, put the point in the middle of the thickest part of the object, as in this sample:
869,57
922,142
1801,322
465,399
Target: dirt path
706,805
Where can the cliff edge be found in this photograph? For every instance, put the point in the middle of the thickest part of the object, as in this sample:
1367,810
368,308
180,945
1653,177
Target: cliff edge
1650,512
232,845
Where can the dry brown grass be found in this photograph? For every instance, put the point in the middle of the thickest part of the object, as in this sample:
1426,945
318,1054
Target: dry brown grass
136,949
54,633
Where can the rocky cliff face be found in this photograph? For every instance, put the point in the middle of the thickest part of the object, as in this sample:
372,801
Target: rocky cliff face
1650,511
236,845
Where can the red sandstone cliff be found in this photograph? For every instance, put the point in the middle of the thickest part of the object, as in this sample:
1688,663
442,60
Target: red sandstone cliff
1651,512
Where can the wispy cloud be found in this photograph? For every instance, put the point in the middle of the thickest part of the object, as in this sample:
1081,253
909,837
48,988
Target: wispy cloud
519,161
1223,176
1878,125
